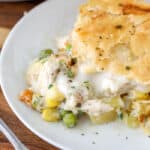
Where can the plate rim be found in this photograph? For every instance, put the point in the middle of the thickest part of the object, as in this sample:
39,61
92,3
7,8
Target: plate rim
3,54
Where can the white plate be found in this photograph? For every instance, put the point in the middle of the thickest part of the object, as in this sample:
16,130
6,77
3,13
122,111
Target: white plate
36,31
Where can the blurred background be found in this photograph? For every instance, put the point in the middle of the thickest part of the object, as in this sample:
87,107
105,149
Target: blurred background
10,13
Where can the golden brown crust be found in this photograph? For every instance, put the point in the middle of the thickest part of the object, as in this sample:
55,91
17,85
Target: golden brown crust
116,6
114,35
135,9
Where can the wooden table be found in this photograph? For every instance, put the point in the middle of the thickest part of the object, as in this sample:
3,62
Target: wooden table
9,15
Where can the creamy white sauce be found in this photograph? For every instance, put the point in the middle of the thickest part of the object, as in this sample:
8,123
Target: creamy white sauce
95,107
45,76
75,92
63,84
61,42
71,104
103,84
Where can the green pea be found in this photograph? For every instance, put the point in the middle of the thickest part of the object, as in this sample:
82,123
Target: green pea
45,53
120,115
68,47
50,86
80,113
63,112
86,84
70,120
69,73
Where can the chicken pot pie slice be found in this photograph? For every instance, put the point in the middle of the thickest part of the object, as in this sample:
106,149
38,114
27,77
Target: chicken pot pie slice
101,70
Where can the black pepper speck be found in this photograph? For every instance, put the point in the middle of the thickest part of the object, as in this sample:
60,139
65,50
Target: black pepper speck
93,142
82,134
100,37
127,67
119,26
69,80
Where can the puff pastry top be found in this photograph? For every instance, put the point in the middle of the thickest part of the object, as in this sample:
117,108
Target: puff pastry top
114,35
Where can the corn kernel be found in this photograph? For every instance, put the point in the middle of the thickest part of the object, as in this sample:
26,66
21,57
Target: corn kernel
50,115
52,103
54,97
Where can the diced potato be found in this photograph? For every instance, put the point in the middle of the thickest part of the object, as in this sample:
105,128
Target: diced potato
133,122
130,120
104,118
54,97
142,107
146,126
26,96
146,130
125,117
138,95
116,102
50,115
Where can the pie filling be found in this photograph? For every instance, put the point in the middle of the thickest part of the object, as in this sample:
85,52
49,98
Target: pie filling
60,88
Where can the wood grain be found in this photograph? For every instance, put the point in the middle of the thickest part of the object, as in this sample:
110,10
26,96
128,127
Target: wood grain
3,35
9,15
